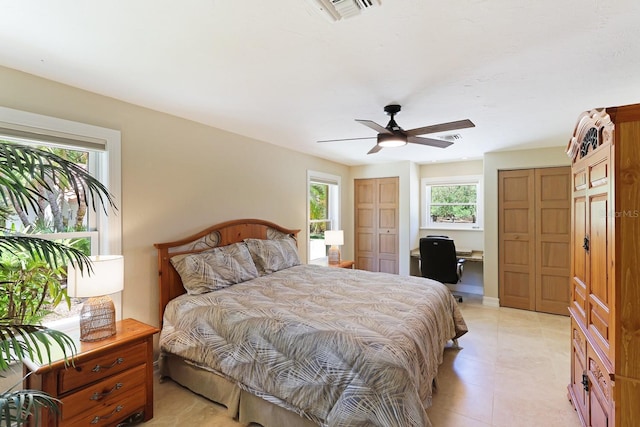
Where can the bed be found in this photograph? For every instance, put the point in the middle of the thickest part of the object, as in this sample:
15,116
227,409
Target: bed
280,343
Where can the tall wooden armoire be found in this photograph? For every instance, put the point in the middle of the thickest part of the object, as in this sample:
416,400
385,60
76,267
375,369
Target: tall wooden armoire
605,270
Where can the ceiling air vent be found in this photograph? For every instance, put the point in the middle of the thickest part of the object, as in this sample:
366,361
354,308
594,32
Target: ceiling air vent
451,137
342,9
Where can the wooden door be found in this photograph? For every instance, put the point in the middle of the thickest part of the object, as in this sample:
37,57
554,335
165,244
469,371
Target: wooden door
534,238
516,238
366,243
599,299
577,390
578,281
553,239
387,227
376,224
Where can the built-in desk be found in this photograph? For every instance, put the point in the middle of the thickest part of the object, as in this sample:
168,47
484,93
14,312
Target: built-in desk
473,256
472,277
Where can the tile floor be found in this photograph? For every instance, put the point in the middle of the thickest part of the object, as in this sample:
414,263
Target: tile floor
513,370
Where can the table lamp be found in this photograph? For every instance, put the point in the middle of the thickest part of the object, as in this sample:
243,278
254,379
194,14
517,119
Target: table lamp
334,238
98,314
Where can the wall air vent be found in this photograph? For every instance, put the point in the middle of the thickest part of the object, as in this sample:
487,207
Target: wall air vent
342,9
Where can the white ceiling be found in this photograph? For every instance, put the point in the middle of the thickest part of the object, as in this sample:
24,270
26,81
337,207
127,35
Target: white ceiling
282,72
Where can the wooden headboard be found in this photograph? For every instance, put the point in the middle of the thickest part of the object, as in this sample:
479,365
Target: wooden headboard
222,234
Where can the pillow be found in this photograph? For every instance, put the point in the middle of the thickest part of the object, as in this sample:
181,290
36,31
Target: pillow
215,269
270,256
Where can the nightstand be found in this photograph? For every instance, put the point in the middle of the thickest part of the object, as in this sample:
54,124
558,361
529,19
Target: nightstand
343,264
110,381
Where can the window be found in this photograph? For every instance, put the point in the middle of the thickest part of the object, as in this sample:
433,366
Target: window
97,149
64,218
452,203
324,211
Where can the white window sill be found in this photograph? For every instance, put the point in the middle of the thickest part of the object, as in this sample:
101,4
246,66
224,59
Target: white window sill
69,325
451,229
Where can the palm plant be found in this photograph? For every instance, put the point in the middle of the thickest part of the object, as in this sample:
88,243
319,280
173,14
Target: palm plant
318,199
27,176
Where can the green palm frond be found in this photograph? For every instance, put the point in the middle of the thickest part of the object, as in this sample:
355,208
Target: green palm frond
27,174
23,168
22,407
53,253
33,342
17,406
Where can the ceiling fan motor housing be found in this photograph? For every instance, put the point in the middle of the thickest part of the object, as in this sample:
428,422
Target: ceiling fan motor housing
392,109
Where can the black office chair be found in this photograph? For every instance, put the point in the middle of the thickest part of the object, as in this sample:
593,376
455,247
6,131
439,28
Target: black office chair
438,260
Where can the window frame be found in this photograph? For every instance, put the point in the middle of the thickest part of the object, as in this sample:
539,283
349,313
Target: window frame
334,205
427,183
31,128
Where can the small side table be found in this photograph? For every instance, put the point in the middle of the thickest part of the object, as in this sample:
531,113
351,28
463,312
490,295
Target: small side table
110,381
344,264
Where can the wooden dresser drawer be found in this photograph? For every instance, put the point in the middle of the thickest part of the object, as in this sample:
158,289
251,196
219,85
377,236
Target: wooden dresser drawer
109,414
111,380
91,370
103,393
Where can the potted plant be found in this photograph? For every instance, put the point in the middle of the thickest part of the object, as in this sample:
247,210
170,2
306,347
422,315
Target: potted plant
32,267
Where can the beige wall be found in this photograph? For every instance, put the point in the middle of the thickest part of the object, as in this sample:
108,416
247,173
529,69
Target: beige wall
178,176
465,239
437,170
493,162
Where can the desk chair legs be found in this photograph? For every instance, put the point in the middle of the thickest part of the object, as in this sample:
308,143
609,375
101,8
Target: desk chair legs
460,270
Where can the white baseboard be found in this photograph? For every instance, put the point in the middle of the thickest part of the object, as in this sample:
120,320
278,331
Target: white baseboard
491,301
467,289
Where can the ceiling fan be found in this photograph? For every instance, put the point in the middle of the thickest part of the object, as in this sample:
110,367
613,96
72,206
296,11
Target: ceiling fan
393,135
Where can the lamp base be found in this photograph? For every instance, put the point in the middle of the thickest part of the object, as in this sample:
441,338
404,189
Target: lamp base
97,319
334,255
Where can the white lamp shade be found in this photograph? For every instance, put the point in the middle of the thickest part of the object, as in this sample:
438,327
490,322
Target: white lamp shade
334,237
106,278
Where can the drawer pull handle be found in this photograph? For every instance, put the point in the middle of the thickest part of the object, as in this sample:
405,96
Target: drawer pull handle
98,368
98,396
97,419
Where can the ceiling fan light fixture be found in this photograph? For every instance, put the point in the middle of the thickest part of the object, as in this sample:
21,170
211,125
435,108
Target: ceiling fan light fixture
389,140
393,135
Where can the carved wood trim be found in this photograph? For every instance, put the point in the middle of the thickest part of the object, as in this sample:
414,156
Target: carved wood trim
579,342
600,377
223,234
594,128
